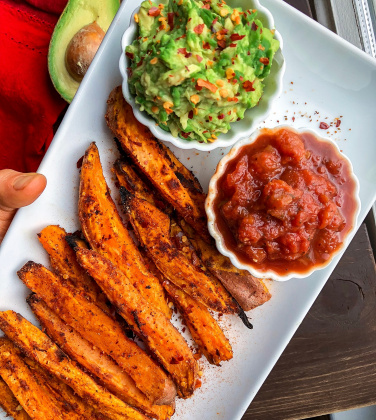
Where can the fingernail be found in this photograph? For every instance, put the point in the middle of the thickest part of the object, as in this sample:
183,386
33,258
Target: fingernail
22,181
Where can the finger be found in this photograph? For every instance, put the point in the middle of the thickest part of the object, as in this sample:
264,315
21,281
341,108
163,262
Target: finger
17,190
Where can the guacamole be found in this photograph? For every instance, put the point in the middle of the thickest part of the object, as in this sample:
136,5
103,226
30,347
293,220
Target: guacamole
197,66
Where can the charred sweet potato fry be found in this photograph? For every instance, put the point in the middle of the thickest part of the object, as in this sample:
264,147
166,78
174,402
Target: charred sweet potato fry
152,159
183,173
153,229
203,327
148,322
63,262
69,401
37,346
248,290
100,330
106,233
34,398
95,361
10,404
128,178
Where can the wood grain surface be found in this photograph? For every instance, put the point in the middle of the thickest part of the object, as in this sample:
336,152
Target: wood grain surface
329,364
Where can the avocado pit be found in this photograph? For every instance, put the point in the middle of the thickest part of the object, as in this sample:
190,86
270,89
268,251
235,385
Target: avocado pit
82,49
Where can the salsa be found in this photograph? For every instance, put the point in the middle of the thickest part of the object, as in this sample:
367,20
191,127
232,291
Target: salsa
197,66
285,202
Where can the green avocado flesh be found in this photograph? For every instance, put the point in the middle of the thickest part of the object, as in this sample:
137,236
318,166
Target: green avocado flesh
76,15
196,66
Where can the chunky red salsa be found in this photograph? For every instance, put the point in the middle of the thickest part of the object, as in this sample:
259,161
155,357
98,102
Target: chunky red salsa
285,202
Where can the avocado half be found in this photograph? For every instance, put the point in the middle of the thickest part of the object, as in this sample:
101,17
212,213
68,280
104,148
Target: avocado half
76,15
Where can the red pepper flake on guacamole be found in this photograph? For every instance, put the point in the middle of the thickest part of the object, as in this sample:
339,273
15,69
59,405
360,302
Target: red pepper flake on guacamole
203,49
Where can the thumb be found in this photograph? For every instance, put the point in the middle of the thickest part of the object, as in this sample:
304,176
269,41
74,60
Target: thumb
17,190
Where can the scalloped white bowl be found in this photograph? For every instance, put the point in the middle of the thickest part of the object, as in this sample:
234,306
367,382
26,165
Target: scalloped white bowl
218,236
239,129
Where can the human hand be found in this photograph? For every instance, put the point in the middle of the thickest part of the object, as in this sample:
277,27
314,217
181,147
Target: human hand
17,190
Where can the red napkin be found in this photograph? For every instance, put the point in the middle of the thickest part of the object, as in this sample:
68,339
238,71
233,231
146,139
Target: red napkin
29,104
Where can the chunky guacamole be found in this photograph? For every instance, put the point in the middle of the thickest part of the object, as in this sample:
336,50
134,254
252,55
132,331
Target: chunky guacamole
197,66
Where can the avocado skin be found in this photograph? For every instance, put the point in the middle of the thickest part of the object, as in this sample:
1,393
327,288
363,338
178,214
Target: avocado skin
76,15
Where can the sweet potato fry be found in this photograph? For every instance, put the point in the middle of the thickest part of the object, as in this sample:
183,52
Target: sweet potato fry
37,346
10,404
34,398
153,229
99,329
95,361
203,327
152,159
106,233
128,178
63,262
149,323
248,290
64,394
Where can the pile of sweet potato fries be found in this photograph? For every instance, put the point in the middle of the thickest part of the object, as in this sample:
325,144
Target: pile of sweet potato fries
114,280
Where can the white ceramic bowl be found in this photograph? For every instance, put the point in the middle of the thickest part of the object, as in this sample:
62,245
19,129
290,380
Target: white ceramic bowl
239,129
217,235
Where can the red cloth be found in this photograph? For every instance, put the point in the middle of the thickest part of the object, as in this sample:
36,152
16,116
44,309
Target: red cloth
29,104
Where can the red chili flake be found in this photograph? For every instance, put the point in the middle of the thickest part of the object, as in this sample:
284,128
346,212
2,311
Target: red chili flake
293,119
206,131
264,60
206,46
198,384
199,58
241,78
154,11
324,125
236,37
232,99
130,55
140,62
206,6
185,135
79,162
180,37
221,116
248,86
338,123
170,20
198,87
222,43
130,72
254,27
210,118
184,52
180,358
214,21
190,114
232,45
173,361
199,28
183,330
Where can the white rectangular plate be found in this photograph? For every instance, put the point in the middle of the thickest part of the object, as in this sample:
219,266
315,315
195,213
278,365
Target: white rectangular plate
326,78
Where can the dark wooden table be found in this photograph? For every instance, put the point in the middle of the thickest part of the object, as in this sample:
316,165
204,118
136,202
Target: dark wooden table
329,364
